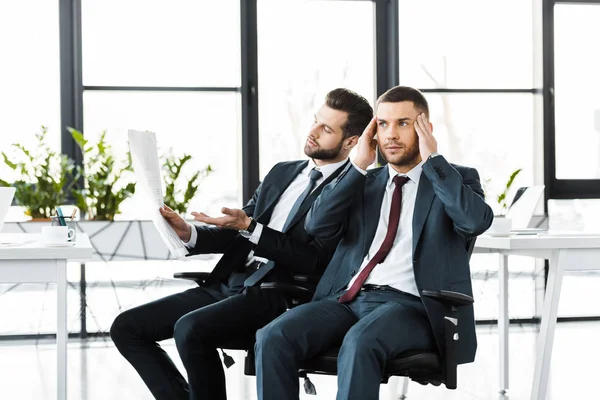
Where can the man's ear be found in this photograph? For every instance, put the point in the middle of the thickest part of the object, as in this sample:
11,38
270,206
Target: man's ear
351,142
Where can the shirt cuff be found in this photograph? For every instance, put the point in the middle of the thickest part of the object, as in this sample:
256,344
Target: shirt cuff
193,238
358,169
255,237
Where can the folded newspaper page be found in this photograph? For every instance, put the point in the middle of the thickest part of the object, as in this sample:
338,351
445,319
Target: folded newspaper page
144,154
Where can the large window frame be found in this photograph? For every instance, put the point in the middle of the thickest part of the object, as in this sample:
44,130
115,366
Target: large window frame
386,71
558,188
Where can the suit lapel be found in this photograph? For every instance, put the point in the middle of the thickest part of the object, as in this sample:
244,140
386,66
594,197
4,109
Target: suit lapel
373,198
307,203
276,186
423,203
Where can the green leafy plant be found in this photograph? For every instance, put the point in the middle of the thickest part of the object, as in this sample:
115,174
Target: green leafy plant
46,177
175,196
502,196
102,192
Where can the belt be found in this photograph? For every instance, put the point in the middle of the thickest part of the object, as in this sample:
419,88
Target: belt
369,287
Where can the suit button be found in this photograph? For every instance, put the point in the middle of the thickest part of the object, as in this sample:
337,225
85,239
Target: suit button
353,272
415,261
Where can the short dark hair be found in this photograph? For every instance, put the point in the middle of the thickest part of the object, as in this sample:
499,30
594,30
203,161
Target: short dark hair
398,94
358,108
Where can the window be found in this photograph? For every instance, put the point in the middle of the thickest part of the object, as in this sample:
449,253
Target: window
325,45
29,75
577,103
202,124
157,43
466,44
184,57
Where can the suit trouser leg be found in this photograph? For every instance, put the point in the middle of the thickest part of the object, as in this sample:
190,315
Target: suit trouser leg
200,333
298,334
390,323
136,332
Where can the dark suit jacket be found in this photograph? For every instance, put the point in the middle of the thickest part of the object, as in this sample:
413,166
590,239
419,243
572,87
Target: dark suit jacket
449,210
293,252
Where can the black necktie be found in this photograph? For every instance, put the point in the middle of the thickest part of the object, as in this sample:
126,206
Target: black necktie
266,268
314,176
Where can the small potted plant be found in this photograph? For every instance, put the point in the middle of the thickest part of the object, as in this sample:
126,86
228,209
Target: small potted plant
45,177
176,196
501,225
103,189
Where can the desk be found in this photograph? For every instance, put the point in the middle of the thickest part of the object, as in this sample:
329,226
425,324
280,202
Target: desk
567,252
32,262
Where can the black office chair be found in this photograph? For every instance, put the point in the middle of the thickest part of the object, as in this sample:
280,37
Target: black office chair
425,367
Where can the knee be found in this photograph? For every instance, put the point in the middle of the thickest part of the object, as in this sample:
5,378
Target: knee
122,328
270,337
183,331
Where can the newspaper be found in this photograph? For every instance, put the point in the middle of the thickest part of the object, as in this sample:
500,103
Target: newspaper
144,154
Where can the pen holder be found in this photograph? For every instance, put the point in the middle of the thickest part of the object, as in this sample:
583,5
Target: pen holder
71,223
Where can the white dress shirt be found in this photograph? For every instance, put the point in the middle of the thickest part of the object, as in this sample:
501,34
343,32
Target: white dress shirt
397,268
284,205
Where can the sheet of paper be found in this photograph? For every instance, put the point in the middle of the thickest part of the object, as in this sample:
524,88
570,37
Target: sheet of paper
144,154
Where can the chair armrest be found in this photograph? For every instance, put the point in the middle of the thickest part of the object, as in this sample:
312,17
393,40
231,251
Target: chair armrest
198,277
450,298
295,292
307,278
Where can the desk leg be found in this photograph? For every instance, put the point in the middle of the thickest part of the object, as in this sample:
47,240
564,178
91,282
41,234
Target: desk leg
61,328
546,335
503,322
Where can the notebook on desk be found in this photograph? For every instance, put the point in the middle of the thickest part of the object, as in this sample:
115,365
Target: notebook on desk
6,197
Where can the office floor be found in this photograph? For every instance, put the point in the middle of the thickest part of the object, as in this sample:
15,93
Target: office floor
97,371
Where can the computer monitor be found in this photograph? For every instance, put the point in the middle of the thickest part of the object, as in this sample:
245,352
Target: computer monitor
6,197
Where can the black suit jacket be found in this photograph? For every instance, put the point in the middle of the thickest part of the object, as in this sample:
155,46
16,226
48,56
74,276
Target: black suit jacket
293,251
449,210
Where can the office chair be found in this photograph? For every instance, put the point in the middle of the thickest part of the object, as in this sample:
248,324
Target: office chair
425,367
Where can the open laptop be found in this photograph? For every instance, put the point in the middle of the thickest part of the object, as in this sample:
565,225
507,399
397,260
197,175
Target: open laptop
522,208
6,197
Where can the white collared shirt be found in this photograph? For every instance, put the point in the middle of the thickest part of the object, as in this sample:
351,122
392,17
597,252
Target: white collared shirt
397,268
284,204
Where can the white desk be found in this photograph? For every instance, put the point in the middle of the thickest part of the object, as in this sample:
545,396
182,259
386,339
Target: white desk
32,262
566,253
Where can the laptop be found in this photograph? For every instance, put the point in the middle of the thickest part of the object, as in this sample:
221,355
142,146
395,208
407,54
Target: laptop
6,197
522,208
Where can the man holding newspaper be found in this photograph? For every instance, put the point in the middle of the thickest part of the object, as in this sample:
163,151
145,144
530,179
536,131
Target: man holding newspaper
264,241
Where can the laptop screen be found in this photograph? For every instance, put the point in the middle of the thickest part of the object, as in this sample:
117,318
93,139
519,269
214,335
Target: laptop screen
6,197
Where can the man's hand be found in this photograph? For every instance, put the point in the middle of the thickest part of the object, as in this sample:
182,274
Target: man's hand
366,148
233,219
181,228
427,143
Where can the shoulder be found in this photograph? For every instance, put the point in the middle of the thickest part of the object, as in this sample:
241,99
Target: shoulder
375,171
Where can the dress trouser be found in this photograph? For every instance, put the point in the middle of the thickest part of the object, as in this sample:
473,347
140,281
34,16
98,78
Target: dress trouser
373,328
201,320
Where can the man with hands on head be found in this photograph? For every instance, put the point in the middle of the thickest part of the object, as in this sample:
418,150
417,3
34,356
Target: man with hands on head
264,241
408,225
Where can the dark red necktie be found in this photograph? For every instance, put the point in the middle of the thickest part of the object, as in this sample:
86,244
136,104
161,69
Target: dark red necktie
387,244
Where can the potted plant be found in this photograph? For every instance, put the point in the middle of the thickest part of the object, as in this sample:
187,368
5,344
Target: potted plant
46,177
501,225
103,190
175,196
